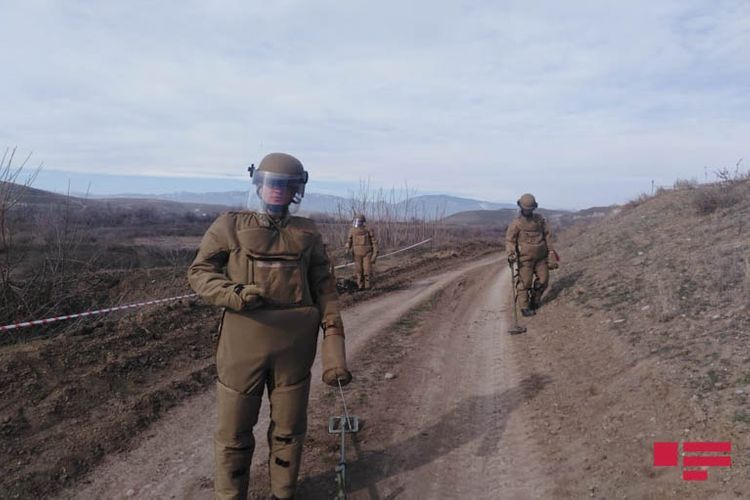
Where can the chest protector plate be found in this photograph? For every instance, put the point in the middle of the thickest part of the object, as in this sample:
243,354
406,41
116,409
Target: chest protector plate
361,240
531,242
278,261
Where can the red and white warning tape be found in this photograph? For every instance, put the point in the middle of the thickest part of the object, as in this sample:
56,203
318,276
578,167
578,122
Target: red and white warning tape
47,321
389,254
92,313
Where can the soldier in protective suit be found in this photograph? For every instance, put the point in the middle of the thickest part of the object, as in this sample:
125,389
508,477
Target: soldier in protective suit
270,272
528,243
364,247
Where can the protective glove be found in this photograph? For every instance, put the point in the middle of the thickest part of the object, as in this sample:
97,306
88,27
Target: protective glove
512,257
553,260
334,358
251,296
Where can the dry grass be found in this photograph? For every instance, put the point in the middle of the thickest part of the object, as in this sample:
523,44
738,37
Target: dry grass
715,197
673,278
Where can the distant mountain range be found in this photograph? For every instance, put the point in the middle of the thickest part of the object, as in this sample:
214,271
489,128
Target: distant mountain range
424,205
451,209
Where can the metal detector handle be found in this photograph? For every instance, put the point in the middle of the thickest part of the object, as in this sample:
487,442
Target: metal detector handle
515,273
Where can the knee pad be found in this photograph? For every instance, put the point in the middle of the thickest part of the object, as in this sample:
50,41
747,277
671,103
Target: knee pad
237,415
289,408
286,435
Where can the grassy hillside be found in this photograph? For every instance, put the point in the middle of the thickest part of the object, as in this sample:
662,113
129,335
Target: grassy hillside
671,275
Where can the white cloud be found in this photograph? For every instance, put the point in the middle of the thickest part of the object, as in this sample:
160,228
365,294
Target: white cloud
478,98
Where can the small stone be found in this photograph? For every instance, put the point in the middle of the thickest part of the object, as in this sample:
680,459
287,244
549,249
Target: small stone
645,308
640,253
716,316
618,321
390,376
130,492
739,391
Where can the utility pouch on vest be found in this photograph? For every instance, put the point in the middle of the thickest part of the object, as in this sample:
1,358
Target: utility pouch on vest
531,245
282,277
362,240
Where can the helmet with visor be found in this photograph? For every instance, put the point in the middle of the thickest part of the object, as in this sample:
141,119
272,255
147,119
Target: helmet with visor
279,182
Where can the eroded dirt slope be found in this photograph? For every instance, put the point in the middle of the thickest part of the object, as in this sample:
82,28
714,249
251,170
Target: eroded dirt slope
645,333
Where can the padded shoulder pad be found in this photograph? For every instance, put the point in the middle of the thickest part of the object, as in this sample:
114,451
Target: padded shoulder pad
303,224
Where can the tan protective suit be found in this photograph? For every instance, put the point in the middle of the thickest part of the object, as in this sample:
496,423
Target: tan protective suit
364,248
267,340
529,238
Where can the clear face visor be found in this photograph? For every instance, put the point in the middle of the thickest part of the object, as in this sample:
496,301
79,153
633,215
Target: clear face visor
358,223
276,194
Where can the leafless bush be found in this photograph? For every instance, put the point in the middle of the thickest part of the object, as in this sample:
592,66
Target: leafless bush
394,215
11,194
640,200
711,198
52,279
683,184
728,176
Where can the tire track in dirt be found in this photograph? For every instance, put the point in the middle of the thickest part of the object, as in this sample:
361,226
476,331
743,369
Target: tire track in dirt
176,459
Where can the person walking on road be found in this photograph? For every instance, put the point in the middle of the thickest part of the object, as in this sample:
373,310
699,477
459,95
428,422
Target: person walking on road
270,273
364,248
528,244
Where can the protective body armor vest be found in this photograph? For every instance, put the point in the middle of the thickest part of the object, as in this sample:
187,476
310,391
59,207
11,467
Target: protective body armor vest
362,240
286,259
528,236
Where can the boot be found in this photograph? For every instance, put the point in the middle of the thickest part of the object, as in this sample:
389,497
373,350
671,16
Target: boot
526,312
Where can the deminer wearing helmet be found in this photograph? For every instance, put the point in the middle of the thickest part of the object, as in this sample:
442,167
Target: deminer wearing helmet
362,244
528,243
270,273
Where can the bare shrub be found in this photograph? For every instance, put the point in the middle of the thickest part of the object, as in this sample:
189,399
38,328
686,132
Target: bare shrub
712,198
640,200
727,175
55,277
394,215
11,195
683,184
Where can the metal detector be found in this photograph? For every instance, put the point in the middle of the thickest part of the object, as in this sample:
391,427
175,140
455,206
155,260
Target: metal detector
342,424
515,328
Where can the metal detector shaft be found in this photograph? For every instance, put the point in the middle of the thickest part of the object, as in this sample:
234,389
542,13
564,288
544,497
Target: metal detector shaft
342,425
515,328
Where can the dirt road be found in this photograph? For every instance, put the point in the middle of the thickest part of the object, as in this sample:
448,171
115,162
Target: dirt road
451,423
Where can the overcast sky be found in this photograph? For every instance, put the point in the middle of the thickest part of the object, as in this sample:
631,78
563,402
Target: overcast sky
582,103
